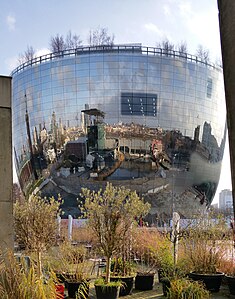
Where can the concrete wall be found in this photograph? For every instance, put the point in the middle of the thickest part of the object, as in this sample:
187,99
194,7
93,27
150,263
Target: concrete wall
6,204
227,36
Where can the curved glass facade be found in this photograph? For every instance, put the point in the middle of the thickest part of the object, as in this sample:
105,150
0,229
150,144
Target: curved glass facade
136,116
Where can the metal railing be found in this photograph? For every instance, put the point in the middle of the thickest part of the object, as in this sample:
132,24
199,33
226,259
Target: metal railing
127,48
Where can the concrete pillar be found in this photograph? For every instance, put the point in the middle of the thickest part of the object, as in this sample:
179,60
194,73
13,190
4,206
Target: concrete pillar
227,37
6,178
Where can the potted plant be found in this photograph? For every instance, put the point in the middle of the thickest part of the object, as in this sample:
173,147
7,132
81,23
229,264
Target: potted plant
144,279
230,278
71,266
77,280
111,213
204,252
184,288
149,248
36,228
123,269
228,267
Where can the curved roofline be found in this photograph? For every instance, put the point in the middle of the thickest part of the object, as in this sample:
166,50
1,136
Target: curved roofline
125,48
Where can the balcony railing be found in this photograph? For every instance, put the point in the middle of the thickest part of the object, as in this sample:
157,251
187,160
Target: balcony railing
125,49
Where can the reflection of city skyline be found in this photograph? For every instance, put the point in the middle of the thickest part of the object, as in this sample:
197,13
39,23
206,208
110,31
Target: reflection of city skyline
168,147
152,121
58,134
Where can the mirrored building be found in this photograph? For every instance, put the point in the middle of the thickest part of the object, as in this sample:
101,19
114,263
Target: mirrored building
142,117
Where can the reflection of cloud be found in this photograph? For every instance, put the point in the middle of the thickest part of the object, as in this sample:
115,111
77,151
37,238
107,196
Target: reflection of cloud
152,27
10,20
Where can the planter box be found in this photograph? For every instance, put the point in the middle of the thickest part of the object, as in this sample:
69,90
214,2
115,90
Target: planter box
211,281
127,287
166,284
107,292
144,282
74,286
231,284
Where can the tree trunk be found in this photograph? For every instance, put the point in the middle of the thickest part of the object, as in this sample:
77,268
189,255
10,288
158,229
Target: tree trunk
108,266
39,266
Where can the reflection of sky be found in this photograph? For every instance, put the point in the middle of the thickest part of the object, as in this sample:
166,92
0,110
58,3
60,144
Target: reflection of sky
98,80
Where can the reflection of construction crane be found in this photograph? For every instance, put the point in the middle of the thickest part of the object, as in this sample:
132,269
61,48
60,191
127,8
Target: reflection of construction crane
96,116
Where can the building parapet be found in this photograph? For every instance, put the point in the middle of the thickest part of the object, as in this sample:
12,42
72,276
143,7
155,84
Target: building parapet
125,48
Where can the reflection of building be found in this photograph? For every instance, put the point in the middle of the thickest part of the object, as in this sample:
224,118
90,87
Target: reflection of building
152,121
226,200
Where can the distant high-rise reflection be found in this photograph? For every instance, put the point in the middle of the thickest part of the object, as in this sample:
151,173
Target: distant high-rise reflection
132,115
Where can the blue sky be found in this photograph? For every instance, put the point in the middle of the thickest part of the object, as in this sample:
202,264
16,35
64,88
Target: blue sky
26,23
32,23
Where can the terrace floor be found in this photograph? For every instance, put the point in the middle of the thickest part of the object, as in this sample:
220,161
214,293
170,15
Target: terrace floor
157,293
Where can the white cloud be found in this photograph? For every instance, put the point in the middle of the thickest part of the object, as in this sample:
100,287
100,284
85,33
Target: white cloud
185,8
11,63
167,10
10,20
153,28
41,52
205,27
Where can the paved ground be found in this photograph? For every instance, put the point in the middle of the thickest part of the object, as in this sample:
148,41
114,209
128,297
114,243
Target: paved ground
157,293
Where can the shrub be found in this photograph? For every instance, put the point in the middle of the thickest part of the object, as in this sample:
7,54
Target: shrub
187,289
21,281
152,249
203,247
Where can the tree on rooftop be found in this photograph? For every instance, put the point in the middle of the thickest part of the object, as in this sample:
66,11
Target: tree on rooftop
57,43
111,213
60,43
166,46
72,41
100,37
28,55
203,54
182,47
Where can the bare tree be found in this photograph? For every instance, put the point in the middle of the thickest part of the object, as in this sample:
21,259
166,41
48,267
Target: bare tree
182,48
99,37
203,54
166,46
72,41
28,55
57,43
